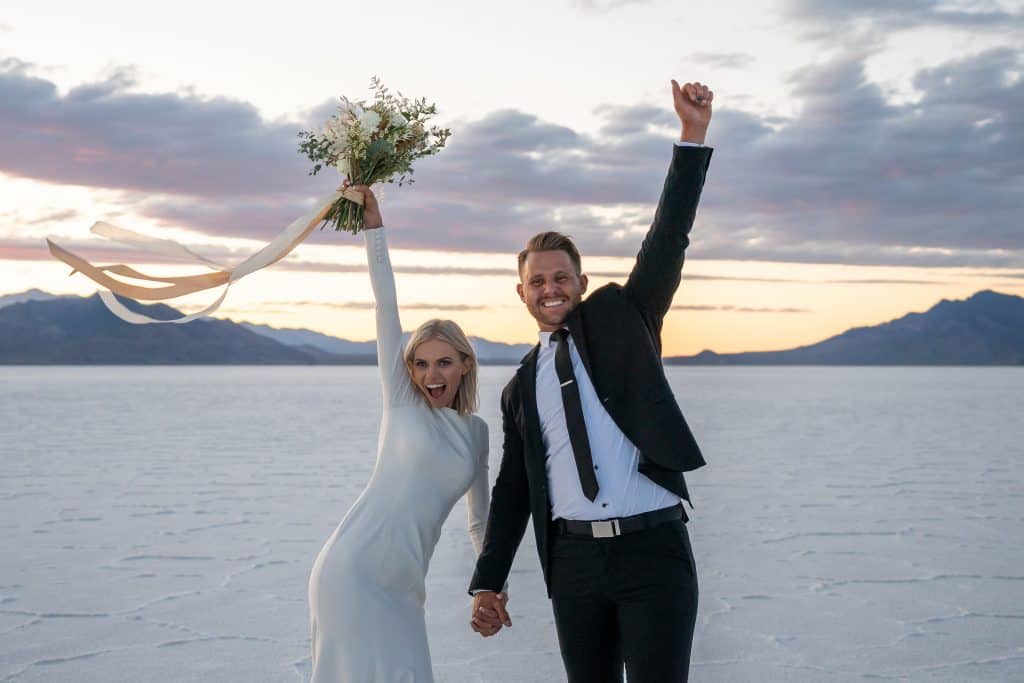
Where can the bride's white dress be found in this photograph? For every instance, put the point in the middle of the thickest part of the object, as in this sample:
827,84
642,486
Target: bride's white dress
366,590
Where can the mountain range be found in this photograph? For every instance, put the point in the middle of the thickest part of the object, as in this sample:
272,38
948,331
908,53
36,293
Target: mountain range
984,329
41,328
37,328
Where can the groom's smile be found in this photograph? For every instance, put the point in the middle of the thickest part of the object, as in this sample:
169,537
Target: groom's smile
553,303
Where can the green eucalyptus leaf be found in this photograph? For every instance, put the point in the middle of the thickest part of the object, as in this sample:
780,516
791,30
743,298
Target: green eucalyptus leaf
378,149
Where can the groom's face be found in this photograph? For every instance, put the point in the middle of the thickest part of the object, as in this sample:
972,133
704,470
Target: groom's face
550,287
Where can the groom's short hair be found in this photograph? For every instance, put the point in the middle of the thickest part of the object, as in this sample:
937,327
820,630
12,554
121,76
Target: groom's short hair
551,241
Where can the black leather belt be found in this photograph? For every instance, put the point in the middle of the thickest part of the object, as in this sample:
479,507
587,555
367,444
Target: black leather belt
606,528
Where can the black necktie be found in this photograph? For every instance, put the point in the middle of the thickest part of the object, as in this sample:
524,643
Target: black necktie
574,415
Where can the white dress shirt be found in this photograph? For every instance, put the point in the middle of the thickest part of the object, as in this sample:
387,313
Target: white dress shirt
623,490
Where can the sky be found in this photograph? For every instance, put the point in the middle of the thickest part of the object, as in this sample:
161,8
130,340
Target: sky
868,155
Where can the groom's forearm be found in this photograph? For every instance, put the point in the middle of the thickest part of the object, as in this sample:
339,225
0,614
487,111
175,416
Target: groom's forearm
508,515
500,545
506,525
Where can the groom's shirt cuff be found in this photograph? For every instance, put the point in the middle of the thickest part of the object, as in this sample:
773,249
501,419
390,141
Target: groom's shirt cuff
687,143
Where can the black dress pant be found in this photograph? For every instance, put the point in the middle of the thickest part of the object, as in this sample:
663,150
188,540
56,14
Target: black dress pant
628,601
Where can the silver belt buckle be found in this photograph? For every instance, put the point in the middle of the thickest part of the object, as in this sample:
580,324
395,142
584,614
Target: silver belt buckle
605,529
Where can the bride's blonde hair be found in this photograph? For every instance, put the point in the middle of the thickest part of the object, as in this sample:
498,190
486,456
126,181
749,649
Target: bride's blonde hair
466,398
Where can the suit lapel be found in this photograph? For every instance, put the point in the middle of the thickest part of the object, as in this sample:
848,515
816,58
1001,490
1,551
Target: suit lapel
528,392
574,322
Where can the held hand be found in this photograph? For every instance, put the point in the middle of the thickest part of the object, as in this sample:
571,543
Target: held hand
489,613
693,106
371,210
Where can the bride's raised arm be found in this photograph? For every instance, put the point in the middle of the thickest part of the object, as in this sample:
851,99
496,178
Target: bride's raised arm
394,375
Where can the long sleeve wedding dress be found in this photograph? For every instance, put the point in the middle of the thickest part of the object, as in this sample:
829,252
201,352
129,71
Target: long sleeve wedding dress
366,590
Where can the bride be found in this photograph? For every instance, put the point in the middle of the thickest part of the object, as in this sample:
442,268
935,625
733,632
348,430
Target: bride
366,590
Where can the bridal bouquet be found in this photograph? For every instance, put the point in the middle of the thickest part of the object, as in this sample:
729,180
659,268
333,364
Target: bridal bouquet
372,142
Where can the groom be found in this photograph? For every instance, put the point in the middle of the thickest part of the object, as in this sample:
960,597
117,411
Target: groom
595,448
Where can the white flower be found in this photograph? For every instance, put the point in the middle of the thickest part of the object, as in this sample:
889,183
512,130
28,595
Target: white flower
335,130
339,148
369,120
342,166
396,119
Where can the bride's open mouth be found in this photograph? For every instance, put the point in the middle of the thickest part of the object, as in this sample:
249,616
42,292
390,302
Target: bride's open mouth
436,390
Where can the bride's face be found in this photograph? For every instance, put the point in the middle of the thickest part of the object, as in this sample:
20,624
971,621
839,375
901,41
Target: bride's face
437,369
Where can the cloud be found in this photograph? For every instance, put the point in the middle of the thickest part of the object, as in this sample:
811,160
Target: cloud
852,178
607,5
369,305
254,217
885,282
53,217
722,60
855,179
102,252
711,278
22,249
13,65
320,267
872,19
103,134
99,252
740,309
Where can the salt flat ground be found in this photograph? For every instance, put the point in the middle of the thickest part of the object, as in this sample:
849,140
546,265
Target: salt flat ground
159,524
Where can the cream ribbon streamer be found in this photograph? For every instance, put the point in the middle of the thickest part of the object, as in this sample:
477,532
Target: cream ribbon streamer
274,251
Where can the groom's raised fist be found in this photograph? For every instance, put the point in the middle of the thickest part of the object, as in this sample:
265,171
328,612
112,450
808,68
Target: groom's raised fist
692,102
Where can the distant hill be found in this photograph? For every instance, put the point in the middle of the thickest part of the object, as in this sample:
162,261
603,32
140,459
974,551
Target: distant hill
488,351
77,330
30,295
985,329
508,353
324,342
41,328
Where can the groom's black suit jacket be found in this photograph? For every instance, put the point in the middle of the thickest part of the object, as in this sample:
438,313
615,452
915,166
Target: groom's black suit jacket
617,331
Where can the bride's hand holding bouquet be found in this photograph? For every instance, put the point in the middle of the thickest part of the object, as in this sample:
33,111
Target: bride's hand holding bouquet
363,195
